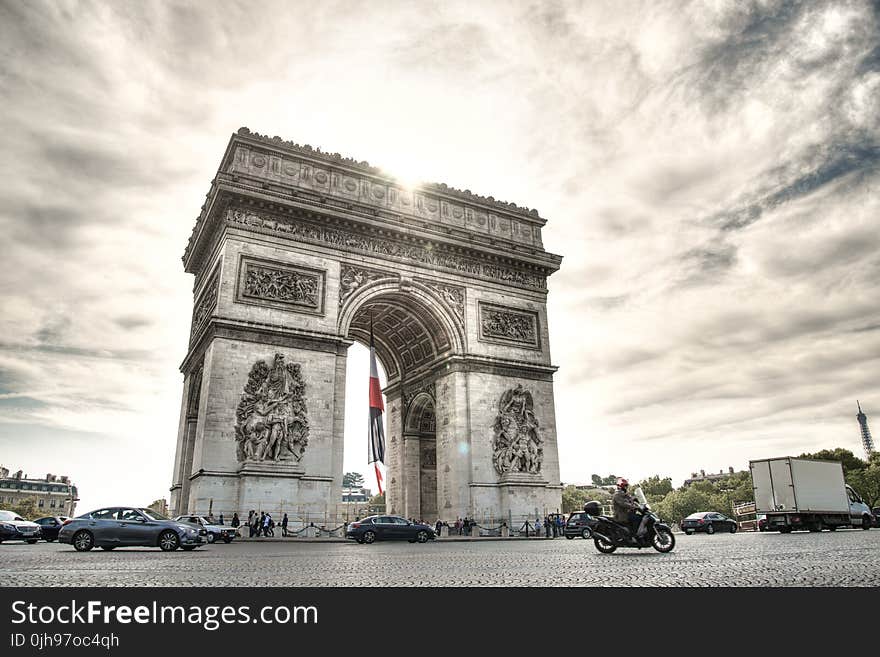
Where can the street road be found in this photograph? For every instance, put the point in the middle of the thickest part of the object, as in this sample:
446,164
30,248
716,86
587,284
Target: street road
842,558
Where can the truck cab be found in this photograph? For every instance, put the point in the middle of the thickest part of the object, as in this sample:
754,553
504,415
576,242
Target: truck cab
858,510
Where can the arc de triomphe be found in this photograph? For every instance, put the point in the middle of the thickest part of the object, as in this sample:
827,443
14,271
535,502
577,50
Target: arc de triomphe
294,252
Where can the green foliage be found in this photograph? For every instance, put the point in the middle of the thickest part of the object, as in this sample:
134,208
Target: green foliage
377,500
610,480
26,508
849,460
655,488
866,482
353,480
574,499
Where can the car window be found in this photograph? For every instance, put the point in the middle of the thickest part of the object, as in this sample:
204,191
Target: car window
400,521
384,520
104,514
129,514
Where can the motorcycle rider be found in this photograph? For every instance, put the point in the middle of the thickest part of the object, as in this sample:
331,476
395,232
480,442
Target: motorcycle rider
627,509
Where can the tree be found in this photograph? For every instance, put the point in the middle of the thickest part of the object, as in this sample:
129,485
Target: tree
26,508
377,500
353,480
573,499
596,479
655,488
849,460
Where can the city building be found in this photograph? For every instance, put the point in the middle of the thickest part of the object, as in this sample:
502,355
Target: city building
54,494
355,494
702,476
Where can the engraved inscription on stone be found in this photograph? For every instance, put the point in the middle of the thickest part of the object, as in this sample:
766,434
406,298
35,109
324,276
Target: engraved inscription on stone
271,421
503,324
517,446
206,304
281,285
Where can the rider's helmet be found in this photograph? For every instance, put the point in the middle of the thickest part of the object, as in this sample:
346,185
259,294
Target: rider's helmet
622,483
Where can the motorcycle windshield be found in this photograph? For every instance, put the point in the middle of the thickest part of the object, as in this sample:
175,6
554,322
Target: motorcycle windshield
640,496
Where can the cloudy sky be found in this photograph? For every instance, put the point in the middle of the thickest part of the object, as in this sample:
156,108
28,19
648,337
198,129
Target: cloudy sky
710,171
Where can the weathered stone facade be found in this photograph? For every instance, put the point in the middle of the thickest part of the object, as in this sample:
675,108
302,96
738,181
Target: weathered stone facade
294,251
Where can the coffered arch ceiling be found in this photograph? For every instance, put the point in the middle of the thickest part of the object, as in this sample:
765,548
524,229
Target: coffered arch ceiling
409,335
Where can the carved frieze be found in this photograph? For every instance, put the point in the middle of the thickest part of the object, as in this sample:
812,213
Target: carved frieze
205,304
271,419
501,324
280,285
436,257
453,295
517,445
352,277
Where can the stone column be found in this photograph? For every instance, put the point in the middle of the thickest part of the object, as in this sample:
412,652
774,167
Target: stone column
412,470
338,427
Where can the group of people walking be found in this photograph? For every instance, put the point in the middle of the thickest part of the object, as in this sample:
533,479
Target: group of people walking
550,527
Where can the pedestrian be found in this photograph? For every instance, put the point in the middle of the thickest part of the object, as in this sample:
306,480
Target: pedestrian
553,526
221,518
250,521
284,525
438,527
258,521
560,524
266,520
235,521
537,526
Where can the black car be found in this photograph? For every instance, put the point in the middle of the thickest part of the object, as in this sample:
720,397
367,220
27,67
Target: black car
50,526
114,527
580,524
389,528
709,522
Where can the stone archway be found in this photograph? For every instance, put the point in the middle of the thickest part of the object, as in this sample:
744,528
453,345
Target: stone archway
294,253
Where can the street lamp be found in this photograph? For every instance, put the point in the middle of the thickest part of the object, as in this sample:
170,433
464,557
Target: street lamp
726,491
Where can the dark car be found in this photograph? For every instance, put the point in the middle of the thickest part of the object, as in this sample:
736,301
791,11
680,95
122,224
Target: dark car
580,524
15,528
50,526
709,522
389,528
124,526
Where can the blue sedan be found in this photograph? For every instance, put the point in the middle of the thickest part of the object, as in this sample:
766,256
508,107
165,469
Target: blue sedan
114,527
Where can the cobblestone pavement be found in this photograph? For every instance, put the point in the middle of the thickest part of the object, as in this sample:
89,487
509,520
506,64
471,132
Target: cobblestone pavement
842,558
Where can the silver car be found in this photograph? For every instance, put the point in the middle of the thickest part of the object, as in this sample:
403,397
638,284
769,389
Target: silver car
215,532
123,526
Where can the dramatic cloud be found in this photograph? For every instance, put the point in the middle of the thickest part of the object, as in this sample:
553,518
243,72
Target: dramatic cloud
710,171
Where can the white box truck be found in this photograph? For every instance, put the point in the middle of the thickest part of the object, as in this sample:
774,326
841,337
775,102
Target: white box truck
796,493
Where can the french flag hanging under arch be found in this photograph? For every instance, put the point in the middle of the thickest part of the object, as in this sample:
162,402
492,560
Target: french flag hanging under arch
376,448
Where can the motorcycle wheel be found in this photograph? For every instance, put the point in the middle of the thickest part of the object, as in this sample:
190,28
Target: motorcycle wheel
603,546
663,540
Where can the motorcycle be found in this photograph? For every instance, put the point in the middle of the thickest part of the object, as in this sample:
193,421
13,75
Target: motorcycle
609,535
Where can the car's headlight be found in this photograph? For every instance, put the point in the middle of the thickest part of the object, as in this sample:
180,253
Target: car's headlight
187,529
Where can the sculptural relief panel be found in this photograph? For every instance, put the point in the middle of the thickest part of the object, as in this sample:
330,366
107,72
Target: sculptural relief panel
505,325
517,445
206,303
280,285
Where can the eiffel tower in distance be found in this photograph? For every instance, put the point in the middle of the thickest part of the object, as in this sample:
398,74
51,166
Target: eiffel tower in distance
867,441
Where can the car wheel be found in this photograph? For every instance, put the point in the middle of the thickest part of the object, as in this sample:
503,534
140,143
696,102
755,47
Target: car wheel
866,522
733,528
83,541
587,534
211,537
31,541
689,532
107,547
710,528
369,537
169,541
189,548
604,546
422,536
